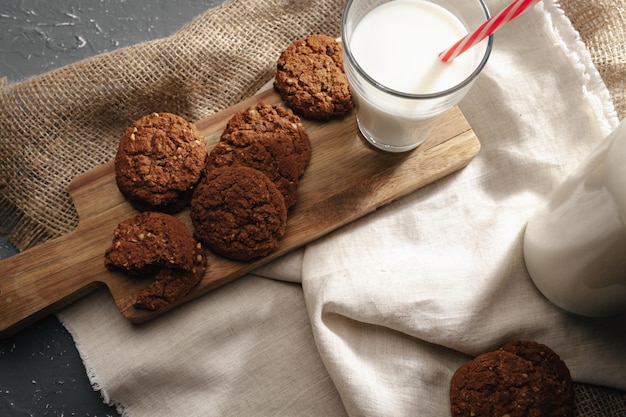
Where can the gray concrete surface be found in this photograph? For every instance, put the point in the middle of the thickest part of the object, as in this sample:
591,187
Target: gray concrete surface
41,373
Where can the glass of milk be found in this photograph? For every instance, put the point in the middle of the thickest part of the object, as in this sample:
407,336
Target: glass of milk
575,244
391,50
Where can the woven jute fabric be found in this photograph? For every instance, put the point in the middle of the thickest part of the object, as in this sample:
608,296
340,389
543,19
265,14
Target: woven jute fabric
601,27
63,123
594,401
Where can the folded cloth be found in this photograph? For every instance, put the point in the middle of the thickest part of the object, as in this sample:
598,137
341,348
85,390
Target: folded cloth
390,305
245,349
400,299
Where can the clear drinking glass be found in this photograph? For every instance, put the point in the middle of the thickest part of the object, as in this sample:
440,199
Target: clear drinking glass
395,120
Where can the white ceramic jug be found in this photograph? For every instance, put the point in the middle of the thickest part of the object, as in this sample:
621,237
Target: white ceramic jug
575,245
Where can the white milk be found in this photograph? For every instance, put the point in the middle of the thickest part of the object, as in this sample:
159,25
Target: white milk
575,245
397,44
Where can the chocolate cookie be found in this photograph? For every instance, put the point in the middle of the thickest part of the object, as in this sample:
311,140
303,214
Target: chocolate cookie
269,153
238,212
273,122
501,382
171,283
557,380
160,245
311,80
148,241
159,160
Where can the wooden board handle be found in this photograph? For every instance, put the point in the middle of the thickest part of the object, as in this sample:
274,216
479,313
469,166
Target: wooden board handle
43,279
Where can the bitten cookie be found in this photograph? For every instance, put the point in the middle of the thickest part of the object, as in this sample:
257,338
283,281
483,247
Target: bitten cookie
521,379
274,122
148,241
157,244
238,212
172,283
159,160
311,80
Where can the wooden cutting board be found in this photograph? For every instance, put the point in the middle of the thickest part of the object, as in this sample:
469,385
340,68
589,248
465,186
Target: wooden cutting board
345,180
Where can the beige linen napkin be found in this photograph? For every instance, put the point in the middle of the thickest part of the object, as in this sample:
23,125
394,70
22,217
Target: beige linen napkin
390,305
400,299
245,349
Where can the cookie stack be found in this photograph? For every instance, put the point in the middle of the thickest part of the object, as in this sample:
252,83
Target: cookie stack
157,244
239,193
239,208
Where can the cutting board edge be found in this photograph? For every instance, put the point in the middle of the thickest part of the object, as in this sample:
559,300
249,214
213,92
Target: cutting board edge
103,171
138,316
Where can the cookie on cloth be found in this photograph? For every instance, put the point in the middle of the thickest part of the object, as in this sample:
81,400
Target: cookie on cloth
159,245
311,80
556,375
238,213
521,379
159,160
273,122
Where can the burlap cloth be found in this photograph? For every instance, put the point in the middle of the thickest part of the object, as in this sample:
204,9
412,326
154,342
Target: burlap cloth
65,122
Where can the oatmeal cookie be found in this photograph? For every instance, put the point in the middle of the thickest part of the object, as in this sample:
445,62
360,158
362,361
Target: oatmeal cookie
521,379
311,80
273,122
159,160
238,213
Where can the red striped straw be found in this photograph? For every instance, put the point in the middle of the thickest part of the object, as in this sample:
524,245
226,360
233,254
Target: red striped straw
490,26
